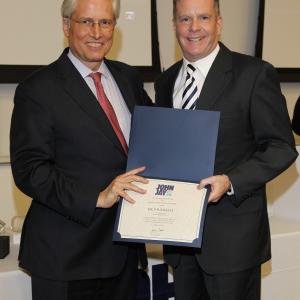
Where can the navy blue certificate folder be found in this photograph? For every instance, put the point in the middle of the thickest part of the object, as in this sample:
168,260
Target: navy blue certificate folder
173,144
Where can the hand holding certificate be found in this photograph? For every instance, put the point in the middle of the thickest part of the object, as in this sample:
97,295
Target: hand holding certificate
172,210
119,188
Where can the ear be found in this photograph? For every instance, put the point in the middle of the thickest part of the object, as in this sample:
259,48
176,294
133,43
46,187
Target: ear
219,24
174,24
66,27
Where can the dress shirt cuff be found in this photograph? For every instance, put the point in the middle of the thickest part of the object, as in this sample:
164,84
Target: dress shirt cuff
230,191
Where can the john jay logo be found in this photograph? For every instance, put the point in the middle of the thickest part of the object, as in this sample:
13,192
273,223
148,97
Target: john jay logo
164,190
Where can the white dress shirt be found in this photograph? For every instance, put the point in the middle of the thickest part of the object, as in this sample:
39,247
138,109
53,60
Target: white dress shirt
202,67
111,90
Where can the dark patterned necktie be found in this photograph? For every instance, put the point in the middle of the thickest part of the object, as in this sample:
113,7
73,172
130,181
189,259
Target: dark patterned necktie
190,92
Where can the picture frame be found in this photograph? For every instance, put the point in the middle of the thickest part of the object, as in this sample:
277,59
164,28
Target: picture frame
273,44
35,46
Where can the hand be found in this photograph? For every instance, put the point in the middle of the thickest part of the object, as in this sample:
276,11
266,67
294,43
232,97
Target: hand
220,184
117,188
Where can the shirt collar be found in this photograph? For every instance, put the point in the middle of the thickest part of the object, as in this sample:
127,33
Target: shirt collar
83,69
205,63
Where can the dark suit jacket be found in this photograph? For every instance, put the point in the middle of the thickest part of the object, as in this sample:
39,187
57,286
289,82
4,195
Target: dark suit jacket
296,118
255,144
64,152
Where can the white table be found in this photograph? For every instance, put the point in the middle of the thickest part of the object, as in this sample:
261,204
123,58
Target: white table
280,277
14,283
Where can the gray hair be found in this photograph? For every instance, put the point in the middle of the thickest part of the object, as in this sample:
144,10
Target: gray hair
68,7
216,3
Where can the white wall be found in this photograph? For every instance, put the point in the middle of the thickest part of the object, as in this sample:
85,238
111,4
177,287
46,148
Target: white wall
240,22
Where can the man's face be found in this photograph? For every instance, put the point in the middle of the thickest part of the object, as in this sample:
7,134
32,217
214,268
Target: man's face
90,43
197,27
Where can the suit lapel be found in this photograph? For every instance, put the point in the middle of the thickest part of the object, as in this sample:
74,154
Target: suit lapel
167,86
76,87
123,84
217,79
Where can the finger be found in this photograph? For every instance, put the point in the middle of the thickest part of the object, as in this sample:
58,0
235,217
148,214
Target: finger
201,185
204,182
213,198
135,171
120,188
138,179
127,197
135,188
132,178
130,187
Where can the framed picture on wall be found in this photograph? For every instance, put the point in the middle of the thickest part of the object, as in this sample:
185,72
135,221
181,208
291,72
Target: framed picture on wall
278,35
33,37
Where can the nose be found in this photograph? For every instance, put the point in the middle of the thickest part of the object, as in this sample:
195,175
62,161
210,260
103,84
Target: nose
195,25
96,31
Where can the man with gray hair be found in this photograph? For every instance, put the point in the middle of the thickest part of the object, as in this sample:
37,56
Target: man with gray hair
69,142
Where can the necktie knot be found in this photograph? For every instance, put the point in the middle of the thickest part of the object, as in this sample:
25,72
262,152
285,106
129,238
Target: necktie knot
190,69
96,76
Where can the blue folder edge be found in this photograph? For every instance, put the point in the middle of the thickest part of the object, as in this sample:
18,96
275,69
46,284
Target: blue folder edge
195,244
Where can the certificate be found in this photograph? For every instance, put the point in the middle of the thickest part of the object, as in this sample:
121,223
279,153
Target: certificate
171,212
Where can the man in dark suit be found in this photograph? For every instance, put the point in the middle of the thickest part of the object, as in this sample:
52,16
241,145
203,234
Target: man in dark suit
254,145
68,153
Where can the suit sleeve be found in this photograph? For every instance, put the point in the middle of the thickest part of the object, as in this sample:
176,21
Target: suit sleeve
296,118
32,144
272,134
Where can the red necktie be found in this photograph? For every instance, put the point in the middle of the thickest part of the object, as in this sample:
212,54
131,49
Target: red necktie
108,109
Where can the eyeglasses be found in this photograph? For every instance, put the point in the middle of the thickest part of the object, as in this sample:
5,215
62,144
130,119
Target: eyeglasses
106,24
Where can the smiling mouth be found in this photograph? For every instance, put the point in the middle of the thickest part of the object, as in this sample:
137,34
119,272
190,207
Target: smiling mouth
195,40
94,44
